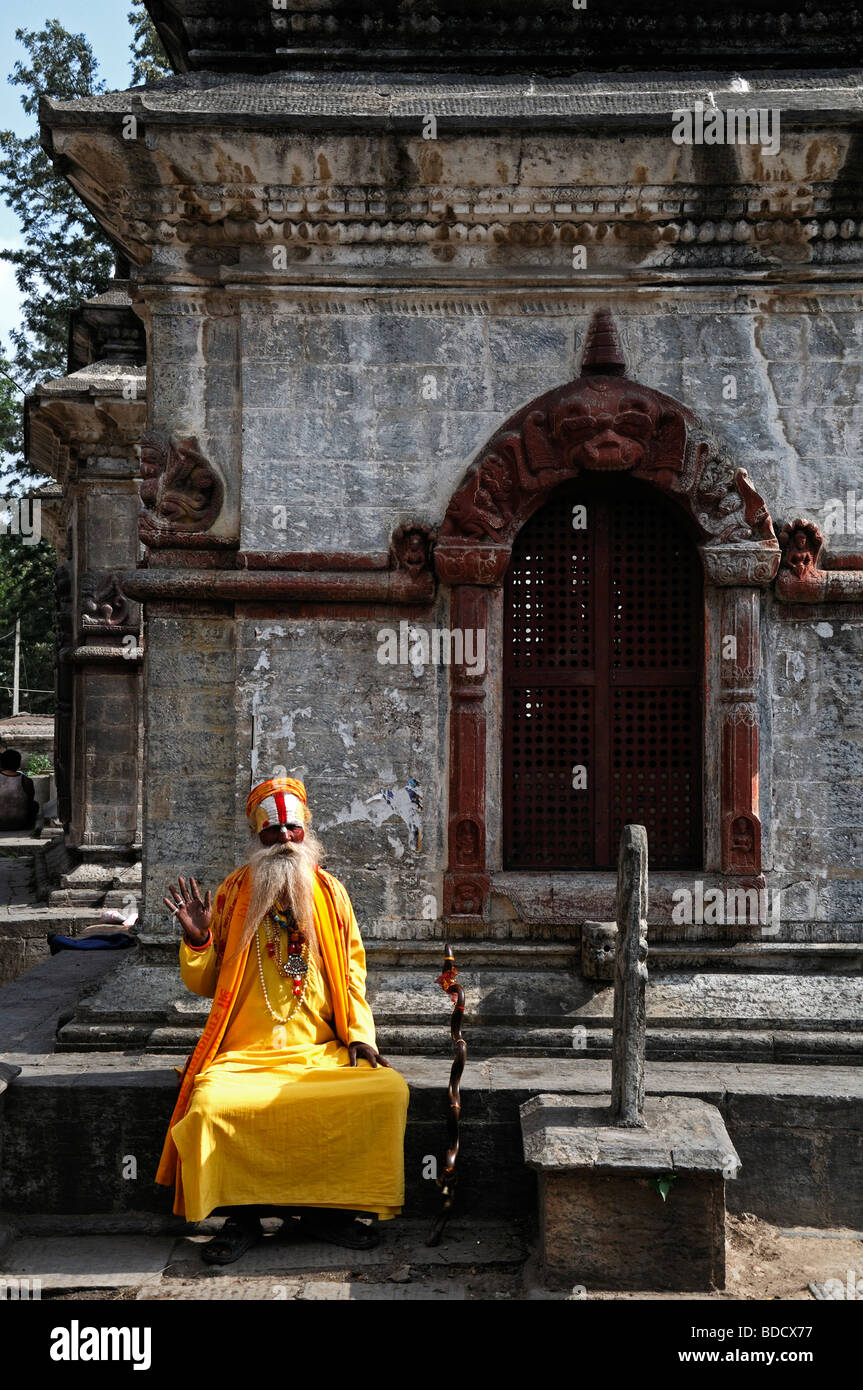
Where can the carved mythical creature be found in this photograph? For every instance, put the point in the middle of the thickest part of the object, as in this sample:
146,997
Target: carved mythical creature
103,604
180,489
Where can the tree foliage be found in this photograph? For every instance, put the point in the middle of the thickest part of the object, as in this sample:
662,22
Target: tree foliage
26,591
66,256
149,60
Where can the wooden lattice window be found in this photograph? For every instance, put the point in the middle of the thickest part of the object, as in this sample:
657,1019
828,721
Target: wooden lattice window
603,671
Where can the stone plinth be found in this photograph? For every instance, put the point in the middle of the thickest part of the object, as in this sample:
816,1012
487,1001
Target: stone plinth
603,1223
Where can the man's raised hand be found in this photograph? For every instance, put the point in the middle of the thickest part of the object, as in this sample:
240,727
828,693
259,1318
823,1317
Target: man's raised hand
192,912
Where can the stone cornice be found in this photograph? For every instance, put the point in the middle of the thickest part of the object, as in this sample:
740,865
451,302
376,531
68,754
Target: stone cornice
265,586
341,175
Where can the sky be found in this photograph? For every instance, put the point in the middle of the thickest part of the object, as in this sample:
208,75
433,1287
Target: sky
105,24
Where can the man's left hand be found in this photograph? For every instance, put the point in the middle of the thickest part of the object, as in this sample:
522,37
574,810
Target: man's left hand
367,1052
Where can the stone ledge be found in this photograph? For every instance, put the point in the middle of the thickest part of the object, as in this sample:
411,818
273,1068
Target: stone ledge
69,1118
566,1133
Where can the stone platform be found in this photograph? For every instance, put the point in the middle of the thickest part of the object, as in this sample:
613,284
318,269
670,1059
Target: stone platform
70,1118
603,1223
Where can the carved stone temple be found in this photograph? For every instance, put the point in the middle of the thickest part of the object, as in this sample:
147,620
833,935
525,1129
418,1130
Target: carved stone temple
490,455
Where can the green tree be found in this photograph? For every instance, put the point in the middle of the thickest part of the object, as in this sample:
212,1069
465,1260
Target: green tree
66,256
149,60
11,430
26,592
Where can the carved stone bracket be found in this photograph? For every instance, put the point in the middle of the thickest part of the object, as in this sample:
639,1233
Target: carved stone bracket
181,491
800,578
104,607
751,564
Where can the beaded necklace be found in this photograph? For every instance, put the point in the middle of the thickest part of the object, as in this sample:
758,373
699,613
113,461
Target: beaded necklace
295,968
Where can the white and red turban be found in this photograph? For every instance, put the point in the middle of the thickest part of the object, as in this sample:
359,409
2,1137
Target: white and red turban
278,801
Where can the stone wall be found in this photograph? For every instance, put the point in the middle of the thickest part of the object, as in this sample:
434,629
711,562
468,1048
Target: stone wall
189,754
363,412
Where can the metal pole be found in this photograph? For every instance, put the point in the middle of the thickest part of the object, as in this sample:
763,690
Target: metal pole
16,676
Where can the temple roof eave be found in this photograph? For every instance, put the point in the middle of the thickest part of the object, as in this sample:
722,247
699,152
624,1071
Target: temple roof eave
103,405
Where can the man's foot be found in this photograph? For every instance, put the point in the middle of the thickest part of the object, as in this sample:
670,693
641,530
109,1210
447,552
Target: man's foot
234,1239
345,1231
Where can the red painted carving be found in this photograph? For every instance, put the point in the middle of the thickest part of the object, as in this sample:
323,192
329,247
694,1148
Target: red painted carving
467,843
412,547
754,507
603,422
741,828
466,884
460,564
802,580
181,491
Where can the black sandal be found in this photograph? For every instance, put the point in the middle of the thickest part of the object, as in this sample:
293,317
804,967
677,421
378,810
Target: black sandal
234,1239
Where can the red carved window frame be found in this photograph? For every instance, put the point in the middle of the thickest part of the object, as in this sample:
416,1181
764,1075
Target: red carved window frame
603,422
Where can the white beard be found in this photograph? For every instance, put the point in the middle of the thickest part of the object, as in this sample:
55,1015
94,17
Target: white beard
284,874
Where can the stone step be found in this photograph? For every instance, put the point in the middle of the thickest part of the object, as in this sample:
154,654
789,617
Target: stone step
525,1011
17,880
395,1040
75,897
24,933
773,955
70,1121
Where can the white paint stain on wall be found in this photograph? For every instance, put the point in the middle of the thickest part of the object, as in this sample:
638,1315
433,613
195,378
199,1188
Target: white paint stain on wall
404,802
286,732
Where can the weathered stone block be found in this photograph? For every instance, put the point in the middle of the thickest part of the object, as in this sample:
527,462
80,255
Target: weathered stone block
603,1223
616,1233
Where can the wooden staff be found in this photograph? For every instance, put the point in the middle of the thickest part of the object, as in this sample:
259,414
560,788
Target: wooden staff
448,982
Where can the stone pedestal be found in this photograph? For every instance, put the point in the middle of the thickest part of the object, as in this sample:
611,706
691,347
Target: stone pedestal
603,1221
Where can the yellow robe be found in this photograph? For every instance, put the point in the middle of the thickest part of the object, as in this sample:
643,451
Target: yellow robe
274,1113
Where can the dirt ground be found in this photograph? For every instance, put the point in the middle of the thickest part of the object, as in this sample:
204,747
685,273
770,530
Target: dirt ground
765,1261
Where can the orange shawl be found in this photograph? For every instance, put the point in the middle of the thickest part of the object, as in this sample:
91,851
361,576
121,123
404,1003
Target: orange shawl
332,922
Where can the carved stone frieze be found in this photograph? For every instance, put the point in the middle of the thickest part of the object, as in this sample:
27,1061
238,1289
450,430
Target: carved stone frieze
801,579
603,422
